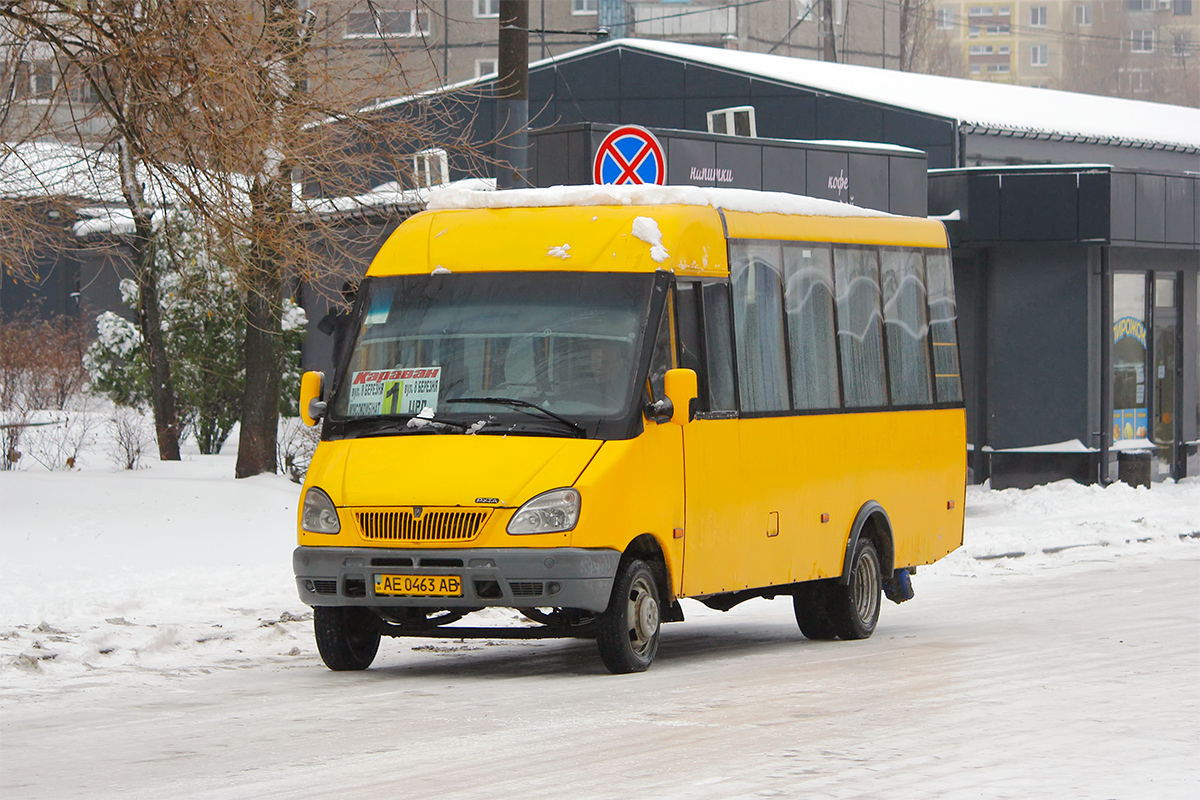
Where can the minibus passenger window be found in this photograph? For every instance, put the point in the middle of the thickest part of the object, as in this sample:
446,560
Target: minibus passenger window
718,347
808,295
905,326
758,325
940,283
860,334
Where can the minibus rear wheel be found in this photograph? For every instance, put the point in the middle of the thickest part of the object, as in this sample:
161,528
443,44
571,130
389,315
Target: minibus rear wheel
347,636
627,631
854,607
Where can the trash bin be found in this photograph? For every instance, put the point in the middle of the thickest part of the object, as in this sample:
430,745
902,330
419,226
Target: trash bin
1133,467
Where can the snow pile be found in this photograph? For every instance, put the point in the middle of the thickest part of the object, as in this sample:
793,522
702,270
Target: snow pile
461,197
139,577
646,229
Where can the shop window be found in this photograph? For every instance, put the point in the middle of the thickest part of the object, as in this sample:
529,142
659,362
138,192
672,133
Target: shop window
1129,350
906,326
939,288
860,328
808,298
758,326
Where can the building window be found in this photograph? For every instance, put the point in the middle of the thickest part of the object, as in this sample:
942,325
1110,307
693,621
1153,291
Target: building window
381,22
944,19
1039,55
980,11
1037,16
581,7
484,66
980,50
1141,5
974,30
999,29
1003,69
1183,8
1083,15
1004,49
487,8
1141,41
1004,11
976,69
1182,47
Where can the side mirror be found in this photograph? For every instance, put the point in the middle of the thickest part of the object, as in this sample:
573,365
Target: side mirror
680,386
312,408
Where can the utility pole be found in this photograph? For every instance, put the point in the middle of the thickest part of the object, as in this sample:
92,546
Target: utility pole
828,34
512,95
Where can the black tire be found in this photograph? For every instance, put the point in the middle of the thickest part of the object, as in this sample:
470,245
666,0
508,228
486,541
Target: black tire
854,608
829,610
347,637
627,631
812,610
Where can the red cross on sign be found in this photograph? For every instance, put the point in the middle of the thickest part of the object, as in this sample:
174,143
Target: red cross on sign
629,155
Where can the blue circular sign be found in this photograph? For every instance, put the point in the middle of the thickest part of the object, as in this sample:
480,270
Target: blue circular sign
630,155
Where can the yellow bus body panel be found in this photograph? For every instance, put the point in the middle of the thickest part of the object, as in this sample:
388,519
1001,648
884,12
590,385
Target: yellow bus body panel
889,231
597,239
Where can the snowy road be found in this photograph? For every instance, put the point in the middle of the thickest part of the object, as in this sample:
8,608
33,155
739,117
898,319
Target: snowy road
1077,681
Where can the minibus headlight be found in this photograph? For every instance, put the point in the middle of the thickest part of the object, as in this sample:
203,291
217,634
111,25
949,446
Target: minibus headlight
319,515
551,512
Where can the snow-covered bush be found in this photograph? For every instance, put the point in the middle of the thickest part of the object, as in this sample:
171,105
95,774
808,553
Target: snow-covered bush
204,325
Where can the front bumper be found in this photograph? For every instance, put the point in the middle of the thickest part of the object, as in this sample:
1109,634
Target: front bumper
559,577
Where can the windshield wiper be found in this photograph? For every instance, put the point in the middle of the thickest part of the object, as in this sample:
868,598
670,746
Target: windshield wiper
516,403
401,423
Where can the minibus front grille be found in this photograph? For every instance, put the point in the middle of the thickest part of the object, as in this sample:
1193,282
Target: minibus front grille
423,525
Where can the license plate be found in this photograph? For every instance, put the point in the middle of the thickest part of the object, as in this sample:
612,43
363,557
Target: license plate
419,585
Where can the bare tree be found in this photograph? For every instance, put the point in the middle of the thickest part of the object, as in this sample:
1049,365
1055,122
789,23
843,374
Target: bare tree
924,48
227,107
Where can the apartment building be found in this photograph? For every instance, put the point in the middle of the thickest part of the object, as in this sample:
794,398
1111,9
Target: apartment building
1142,49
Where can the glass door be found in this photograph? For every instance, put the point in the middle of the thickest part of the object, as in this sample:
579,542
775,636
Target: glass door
1165,430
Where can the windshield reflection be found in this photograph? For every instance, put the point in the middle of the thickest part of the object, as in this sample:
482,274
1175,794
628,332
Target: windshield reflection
454,344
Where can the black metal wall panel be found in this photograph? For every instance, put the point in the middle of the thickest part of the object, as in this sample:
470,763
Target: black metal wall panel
785,114
784,169
645,76
1037,345
740,165
1151,212
683,155
1039,208
983,199
828,175
908,187
1095,201
869,180
840,118
1124,207
1180,210
660,113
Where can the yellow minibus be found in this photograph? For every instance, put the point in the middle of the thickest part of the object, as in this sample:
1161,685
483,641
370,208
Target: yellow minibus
589,403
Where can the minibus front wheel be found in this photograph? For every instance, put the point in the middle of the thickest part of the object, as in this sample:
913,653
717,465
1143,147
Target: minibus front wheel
347,636
627,631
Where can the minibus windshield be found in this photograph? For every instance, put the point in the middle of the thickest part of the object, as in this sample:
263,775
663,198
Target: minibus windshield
491,352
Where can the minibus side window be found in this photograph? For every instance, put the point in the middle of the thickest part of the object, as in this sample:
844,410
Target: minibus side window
906,327
687,327
860,329
808,296
758,326
718,347
940,290
662,358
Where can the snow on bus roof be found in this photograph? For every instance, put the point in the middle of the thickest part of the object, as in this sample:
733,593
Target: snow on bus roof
728,199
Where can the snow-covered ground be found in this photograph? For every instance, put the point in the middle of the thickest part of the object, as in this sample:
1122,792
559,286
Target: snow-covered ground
151,644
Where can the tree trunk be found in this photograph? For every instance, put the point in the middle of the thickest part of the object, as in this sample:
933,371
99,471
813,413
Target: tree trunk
260,395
